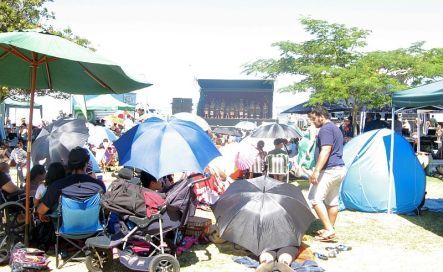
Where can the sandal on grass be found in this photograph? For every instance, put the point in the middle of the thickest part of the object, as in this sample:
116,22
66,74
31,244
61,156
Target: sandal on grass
325,237
343,247
330,248
321,256
332,254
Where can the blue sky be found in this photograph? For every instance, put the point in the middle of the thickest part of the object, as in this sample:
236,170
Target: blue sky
172,42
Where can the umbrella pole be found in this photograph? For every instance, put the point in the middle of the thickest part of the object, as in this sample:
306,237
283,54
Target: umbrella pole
28,150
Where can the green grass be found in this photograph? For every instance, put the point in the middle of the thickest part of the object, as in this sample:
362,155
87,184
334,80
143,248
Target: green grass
380,242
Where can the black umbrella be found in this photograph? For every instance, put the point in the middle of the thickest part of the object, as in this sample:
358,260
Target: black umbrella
56,140
263,214
276,131
232,131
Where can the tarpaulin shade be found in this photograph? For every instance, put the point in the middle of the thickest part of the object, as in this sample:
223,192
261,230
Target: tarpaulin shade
426,95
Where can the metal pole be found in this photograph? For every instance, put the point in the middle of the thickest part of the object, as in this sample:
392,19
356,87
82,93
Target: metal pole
418,131
34,66
391,163
362,121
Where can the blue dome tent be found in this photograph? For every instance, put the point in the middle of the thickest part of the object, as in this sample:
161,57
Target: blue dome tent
366,185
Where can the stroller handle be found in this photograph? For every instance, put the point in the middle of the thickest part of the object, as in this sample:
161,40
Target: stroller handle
206,176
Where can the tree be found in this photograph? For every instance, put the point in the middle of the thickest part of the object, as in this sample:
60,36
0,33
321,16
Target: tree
23,14
31,14
334,66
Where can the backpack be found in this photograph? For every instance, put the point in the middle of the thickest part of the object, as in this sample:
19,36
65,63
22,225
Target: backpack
125,198
28,259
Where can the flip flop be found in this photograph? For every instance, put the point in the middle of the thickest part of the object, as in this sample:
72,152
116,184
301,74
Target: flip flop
327,238
321,256
343,247
332,253
328,248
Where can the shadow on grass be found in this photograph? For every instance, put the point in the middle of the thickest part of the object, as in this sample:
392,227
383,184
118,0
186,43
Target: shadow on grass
302,184
315,226
189,257
430,221
232,249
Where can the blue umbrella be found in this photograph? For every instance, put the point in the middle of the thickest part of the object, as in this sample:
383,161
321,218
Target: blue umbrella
161,148
94,163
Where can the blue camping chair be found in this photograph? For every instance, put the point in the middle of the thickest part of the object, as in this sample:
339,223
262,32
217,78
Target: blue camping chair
77,220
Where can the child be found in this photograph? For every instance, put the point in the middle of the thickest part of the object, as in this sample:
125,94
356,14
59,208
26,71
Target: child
55,172
38,174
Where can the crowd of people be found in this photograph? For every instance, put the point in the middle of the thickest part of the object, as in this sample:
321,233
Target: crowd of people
317,156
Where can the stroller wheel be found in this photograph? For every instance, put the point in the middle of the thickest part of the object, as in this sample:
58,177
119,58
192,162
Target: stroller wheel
164,263
97,260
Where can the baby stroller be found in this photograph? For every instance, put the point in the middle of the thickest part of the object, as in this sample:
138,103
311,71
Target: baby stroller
141,243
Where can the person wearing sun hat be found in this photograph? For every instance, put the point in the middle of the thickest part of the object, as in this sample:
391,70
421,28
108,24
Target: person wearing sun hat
79,184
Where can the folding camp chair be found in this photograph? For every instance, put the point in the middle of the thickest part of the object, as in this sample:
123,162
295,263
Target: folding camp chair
77,220
278,164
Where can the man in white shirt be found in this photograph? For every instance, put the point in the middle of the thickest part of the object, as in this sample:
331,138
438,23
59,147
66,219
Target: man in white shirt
19,156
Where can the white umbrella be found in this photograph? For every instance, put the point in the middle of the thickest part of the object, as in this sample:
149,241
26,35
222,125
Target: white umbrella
98,133
246,125
186,116
269,142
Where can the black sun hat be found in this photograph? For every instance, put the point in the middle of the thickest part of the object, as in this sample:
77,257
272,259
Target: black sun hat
78,157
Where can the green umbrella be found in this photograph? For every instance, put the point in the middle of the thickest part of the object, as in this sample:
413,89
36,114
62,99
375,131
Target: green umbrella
34,60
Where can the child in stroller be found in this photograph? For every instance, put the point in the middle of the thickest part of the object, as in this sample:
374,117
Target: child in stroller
139,241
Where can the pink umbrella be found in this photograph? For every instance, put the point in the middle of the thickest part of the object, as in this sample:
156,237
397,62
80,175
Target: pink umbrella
243,155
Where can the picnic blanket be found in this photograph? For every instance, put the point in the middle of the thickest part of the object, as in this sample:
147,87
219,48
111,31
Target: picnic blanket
434,204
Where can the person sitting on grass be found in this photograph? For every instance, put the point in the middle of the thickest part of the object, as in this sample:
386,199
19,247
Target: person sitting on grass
279,259
109,158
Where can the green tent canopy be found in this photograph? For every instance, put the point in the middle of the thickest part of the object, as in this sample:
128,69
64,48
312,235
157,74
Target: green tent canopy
62,66
418,97
105,103
11,104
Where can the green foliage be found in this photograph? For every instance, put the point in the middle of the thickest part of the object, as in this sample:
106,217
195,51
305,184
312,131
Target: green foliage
23,14
68,34
31,14
334,66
